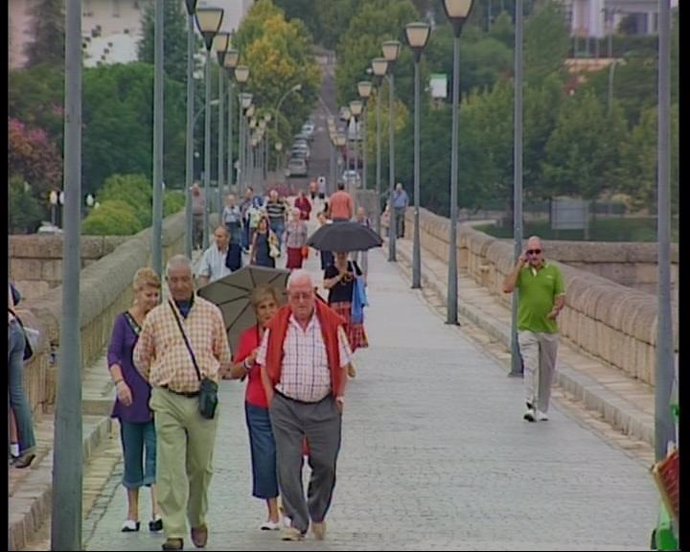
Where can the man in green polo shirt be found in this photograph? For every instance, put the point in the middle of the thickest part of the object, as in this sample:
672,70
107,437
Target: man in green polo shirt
542,297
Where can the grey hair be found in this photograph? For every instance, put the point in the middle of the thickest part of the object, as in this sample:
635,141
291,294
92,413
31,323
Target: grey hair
177,261
298,276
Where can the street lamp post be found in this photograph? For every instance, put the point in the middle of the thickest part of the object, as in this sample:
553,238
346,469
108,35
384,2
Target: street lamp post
231,59
276,110
208,21
457,12
417,37
53,199
516,368
348,115
379,66
663,424
221,43
249,113
356,107
278,147
245,100
158,108
391,51
340,143
67,478
189,150
364,91
267,149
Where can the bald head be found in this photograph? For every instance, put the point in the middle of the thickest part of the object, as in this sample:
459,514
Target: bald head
535,251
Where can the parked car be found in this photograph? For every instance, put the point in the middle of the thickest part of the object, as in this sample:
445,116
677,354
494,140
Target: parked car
301,148
351,178
297,167
308,128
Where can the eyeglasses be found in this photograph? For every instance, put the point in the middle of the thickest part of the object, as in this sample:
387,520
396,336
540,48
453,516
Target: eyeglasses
533,251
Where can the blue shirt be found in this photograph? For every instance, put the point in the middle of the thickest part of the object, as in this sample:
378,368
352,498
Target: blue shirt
400,200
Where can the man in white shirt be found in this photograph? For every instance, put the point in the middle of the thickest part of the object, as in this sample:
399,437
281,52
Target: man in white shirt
212,265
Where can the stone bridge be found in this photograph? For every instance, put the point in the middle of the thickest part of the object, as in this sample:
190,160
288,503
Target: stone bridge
610,312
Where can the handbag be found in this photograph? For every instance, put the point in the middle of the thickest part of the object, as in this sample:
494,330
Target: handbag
273,249
208,389
31,337
305,252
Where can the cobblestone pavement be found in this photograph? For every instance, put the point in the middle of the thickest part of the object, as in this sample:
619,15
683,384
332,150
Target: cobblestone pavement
435,456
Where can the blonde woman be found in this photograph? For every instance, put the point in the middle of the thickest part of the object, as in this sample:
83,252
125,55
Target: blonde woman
131,407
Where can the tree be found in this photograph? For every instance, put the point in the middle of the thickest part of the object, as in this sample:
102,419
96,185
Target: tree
280,56
36,96
547,42
175,42
583,152
113,217
25,210
133,189
33,157
48,30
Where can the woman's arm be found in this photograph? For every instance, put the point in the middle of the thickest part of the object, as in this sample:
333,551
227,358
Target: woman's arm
330,281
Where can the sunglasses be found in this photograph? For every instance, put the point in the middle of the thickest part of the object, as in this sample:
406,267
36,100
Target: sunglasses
533,251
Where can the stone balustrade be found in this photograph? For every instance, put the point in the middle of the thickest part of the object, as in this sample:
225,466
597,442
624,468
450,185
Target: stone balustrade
604,318
105,291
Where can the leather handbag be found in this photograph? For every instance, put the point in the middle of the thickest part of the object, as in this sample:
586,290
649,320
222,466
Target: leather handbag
208,389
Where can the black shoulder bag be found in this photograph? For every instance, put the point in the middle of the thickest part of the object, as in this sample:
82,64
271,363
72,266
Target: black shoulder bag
28,349
208,389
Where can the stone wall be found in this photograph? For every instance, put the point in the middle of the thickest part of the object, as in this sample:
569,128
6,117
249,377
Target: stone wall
36,259
105,291
604,318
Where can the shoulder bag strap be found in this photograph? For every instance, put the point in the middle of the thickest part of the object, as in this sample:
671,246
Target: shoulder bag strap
186,341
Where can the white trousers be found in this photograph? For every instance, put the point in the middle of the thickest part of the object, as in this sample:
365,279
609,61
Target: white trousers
538,352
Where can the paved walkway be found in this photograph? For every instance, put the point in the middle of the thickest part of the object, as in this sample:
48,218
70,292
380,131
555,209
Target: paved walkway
435,456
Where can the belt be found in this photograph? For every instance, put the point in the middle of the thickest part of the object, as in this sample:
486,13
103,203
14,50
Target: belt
189,395
297,400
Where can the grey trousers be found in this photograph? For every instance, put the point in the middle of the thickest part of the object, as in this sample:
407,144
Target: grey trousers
538,351
321,424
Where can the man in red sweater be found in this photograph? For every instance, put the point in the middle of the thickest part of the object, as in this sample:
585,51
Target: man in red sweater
304,356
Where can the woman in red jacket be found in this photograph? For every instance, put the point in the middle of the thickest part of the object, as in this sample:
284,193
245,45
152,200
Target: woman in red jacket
265,301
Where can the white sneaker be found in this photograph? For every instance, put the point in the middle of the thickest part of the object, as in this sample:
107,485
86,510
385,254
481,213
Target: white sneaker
270,526
541,416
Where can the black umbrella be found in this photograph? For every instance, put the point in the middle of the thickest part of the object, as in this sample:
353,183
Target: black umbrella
344,236
232,294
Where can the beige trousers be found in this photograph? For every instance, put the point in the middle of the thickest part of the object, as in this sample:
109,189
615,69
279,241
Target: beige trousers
538,352
185,443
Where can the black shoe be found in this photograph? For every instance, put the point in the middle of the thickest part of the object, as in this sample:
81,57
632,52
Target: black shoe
130,526
24,461
172,544
156,525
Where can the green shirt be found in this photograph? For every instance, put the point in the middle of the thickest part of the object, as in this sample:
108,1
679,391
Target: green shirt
538,289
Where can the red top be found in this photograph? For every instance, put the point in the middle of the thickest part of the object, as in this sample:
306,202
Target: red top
249,340
304,206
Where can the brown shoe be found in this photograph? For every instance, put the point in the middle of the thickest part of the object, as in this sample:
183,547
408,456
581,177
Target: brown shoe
319,530
200,536
172,544
351,371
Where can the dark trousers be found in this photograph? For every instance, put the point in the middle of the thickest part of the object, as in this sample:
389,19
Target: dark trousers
321,424
263,448
399,222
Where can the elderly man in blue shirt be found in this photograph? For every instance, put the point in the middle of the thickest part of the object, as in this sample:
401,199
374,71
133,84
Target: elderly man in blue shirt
400,203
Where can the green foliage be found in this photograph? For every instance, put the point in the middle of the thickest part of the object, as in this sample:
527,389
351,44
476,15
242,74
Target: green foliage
175,39
173,201
547,42
25,212
133,189
37,96
503,30
582,153
114,217
118,136
48,31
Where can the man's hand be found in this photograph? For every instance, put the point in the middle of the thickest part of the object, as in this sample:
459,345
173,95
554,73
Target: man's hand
553,314
340,403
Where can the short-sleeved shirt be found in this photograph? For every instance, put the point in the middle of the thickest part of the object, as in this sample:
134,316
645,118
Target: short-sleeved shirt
213,264
538,290
342,205
341,291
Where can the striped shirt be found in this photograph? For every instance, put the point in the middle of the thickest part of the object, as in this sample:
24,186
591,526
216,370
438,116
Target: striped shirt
276,211
161,355
213,264
305,375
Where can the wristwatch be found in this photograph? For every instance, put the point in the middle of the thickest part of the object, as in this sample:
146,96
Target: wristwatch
246,365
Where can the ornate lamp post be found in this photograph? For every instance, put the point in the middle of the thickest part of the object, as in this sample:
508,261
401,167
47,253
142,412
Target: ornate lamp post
221,44
189,150
245,100
391,52
364,91
417,35
356,107
379,66
208,21
457,12
231,59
